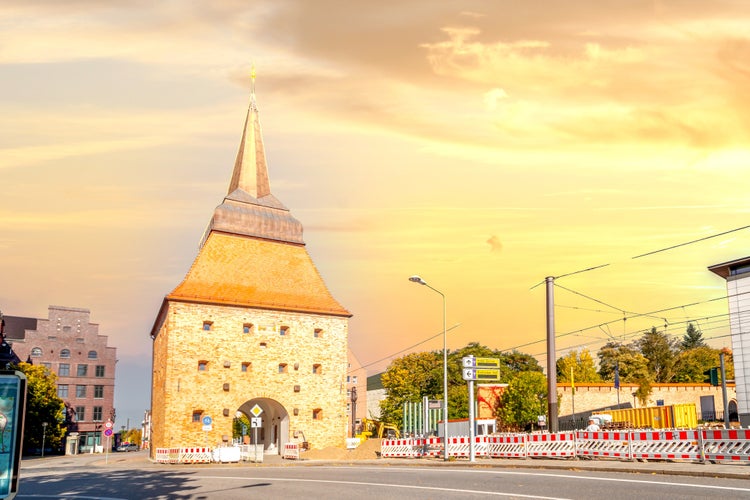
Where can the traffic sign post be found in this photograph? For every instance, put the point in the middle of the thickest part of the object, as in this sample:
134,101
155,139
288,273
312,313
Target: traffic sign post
487,369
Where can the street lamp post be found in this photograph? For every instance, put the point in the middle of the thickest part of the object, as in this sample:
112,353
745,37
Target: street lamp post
44,434
417,279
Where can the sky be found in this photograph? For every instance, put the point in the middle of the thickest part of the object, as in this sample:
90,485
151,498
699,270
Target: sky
483,145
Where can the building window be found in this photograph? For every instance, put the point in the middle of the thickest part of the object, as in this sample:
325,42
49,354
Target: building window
80,413
62,391
47,365
317,414
65,353
80,340
348,379
97,414
348,407
66,328
93,355
354,379
99,371
80,391
263,345
202,366
284,330
197,415
248,328
83,370
98,391
282,368
317,333
36,352
64,370
348,394
245,367
208,325
317,369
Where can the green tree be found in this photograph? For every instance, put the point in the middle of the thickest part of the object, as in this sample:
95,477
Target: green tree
693,338
523,400
582,366
42,406
416,375
409,379
661,352
632,367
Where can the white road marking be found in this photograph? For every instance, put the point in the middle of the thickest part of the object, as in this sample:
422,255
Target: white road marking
560,476
386,485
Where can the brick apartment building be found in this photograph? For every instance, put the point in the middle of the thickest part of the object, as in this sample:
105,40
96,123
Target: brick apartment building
69,345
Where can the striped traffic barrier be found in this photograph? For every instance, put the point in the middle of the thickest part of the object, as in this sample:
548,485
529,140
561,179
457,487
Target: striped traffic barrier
551,445
665,445
398,448
507,446
726,444
603,444
459,446
291,451
195,455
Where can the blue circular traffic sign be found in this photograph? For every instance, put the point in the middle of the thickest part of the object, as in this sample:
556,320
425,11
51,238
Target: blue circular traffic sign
207,420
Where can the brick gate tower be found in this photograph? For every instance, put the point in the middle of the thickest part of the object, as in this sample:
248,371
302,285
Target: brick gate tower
251,326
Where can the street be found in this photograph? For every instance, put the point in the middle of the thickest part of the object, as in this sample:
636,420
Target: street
131,476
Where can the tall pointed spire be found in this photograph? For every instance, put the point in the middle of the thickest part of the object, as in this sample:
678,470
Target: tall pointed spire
250,168
249,208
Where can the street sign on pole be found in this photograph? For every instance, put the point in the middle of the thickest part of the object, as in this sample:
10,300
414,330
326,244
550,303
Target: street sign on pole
486,374
207,421
472,362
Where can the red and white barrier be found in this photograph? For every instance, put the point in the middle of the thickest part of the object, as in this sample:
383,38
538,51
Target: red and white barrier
459,446
665,445
557,445
431,447
399,448
507,446
291,451
726,444
603,444
195,455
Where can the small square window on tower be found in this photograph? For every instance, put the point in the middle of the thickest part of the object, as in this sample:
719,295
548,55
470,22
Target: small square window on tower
282,368
245,367
284,330
197,415
317,369
202,366
317,333
248,328
317,414
208,326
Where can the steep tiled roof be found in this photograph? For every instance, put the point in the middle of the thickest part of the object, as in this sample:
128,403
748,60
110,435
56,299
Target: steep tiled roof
250,272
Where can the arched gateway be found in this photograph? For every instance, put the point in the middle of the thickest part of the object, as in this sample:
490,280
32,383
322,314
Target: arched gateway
252,317
273,431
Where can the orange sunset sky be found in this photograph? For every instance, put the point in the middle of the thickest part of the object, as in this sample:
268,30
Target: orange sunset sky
483,145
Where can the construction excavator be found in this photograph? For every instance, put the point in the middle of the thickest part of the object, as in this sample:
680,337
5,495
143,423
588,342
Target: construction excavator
372,428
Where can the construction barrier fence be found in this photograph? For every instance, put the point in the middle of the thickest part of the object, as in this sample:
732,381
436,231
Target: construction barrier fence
731,445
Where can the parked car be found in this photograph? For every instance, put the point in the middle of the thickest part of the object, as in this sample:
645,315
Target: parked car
128,447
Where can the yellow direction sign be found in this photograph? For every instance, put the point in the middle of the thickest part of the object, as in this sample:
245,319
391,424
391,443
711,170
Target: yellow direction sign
481,374
472,362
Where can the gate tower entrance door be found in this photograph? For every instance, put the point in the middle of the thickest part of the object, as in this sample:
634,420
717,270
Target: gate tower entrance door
274,431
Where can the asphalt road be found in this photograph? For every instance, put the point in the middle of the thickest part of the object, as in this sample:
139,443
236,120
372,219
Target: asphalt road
132,478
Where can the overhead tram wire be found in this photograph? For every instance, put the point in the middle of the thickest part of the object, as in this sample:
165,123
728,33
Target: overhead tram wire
690,242
648,253
405,350
649,314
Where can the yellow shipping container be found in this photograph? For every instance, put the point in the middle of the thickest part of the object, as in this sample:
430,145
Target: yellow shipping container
680,416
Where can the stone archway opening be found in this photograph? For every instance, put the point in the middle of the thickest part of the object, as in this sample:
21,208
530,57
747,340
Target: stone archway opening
273,432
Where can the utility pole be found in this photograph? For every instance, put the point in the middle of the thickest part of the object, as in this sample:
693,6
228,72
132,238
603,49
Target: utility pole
551,360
